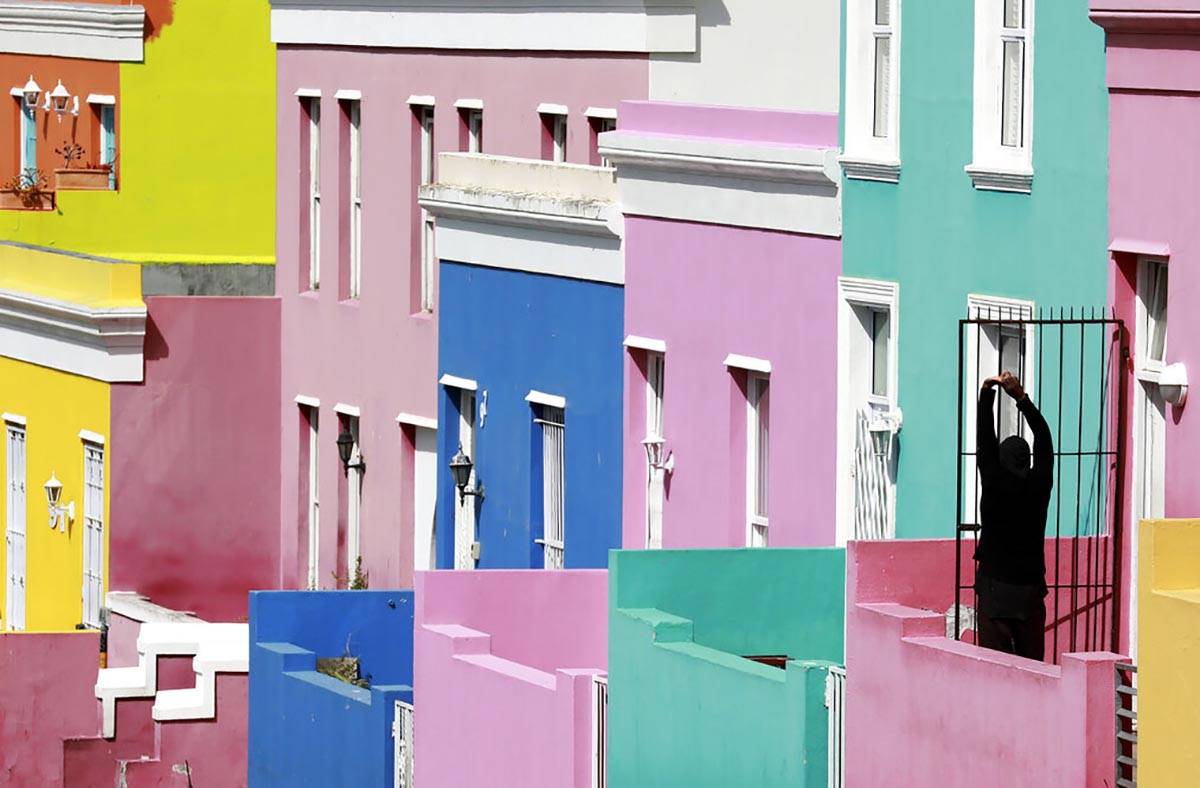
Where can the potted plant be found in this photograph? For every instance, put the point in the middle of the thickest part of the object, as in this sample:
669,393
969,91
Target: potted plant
92,177
28,191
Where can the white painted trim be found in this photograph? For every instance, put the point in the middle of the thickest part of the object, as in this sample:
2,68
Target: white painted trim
454,381
308,93
749,363
1140,247
634,26
101,98
645,343
91,437
12,418
542,398
414,420
100,343
17,92
979,305
86,31
353,411
864,169
422,101
605,113
868,157
792,188
1000,180
552,109
307,401
348,95
994,166
468,103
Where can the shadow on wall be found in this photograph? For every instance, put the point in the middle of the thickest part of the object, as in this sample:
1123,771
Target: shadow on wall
159,14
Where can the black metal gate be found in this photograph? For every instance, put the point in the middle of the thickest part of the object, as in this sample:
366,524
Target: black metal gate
1073,367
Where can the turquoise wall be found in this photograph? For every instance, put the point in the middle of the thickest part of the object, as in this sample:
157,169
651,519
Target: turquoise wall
940,239
685,708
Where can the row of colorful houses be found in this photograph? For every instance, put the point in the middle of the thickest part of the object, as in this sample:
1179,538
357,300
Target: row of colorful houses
602,400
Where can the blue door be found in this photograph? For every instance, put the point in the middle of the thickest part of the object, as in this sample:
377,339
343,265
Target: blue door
108,142
28,139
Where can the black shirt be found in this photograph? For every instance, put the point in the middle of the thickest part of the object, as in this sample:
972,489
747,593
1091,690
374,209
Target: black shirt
1012,509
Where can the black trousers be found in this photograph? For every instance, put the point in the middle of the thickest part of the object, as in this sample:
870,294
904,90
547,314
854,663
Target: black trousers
1025,637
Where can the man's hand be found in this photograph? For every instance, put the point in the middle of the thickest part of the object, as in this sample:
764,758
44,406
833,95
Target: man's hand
991,382
1011,385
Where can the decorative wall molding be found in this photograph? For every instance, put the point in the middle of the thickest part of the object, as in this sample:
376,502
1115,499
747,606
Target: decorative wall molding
90,31
716,181
870,170
997,180
640,26
1134,20
105,344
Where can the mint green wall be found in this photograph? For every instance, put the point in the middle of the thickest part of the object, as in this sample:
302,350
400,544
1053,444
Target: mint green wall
684,707
941,239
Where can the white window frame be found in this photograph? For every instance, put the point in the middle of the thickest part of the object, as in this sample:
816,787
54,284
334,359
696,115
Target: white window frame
403,728
314,191
1147,367
994,165
464,535
16,522
856,294
602,119
551,418
656,365
93,524
758,470
354,496
868,155
425,117
554,117
354,111
314,494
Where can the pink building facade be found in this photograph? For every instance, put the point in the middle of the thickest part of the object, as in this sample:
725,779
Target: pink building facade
731,314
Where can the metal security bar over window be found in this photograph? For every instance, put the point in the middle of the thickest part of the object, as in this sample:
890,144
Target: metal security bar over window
402,740
835,701
553,486
93,534
1126,680
1072,366
599,731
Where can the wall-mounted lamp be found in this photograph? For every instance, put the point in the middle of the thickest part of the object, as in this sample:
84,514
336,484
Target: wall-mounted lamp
654,455
1173,383
349,452
883,428
59,515
60,98
460,469
31,93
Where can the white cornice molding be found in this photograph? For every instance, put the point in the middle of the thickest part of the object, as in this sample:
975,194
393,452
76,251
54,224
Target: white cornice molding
863,169
635,26
89,31
997,179
105,344
742,184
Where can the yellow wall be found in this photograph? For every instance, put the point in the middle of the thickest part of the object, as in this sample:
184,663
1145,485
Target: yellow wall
196,150
71,279
1169,653
56,406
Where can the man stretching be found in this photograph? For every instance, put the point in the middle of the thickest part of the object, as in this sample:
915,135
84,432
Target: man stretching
1010,582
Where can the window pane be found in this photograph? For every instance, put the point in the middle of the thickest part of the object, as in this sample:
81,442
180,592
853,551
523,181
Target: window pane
880,347
762,453
883,76
1014,13
1013,108
1157,312
883,12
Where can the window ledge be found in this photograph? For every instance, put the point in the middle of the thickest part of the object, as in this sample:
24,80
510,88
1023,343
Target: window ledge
1000,179
862,168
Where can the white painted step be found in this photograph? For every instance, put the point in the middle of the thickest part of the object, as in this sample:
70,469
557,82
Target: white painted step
193,703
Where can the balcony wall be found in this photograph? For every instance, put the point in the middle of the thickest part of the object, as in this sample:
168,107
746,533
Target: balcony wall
504,661
685,706
307,728
923,709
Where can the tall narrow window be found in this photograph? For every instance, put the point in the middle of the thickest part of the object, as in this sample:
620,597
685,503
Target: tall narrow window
464,507
553,421
554,132
880,350
1012,103
655,445
872,90
108,142
1152,293
882,85
470,113
354,479
314,192
311,469
1002,158
28,139
356,201
428,260
14,534
757,455
600,120
93,533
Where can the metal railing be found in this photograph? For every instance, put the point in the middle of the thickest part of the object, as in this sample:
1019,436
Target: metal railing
1126,681
835,701
599,731
402,738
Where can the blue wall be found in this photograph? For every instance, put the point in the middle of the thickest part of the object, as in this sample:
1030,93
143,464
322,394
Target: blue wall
511,332
308,729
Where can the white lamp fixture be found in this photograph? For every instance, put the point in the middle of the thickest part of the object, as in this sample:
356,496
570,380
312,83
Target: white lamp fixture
654,455
31,93
1173,383
883,428
61,97
59,515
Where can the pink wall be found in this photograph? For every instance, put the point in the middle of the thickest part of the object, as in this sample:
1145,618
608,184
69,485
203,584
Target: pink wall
379,353
924,709
195,486
46,695
502,672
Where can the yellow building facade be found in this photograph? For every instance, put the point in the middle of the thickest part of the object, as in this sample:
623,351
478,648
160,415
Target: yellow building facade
1168,653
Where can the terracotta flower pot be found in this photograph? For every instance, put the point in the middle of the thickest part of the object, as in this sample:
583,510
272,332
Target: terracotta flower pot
82,179
11,200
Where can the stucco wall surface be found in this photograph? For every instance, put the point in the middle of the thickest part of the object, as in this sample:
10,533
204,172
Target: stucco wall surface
310,729
685,707
968,716
940,239
378,352
561,337
186,192
195,485
504,661
1169,652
